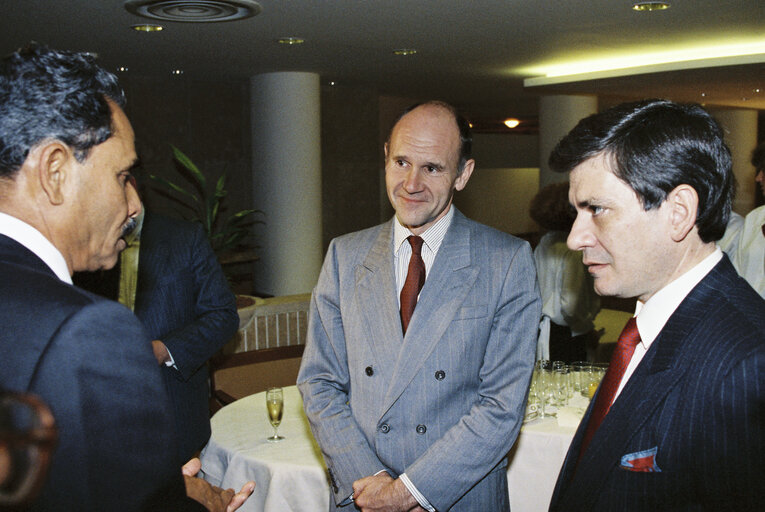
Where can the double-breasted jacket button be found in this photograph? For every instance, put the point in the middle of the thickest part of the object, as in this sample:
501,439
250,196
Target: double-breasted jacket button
440,375
384,428
421,429
369,371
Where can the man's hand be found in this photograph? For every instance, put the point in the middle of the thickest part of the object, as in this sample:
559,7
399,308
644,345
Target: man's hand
160,352
213,498
381,493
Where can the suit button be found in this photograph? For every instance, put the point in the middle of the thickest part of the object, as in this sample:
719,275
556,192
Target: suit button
421,429
384,428
369,371
440,374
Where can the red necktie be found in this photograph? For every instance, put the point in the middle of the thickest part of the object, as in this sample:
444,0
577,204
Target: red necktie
415,278
625,347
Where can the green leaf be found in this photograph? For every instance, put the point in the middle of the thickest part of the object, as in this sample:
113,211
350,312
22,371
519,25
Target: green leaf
188,164
173,186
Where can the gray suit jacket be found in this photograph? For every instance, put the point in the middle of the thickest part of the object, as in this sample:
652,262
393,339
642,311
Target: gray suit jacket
444,403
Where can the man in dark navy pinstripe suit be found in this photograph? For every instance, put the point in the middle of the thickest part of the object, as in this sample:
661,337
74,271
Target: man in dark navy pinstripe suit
652,185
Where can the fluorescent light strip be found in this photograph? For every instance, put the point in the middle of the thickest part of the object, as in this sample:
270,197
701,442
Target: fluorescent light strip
651,59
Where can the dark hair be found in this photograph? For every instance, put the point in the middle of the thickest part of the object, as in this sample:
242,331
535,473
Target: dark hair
49,94
466,135
758,157
654,146
550,208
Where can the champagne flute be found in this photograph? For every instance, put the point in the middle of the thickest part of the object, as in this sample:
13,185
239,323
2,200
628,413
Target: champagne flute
275,405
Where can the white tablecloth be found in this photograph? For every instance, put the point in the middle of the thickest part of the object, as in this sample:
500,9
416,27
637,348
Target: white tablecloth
291,476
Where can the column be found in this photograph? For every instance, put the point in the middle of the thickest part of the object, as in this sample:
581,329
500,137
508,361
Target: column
286,166
557,116
740,126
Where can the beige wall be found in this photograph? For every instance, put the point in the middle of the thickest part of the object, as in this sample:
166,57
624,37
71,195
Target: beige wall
500,198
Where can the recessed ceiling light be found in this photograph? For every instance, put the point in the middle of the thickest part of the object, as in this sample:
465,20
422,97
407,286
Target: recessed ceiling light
122,69
332,82
404,51
176,72
290,40
147,27
650,6
511,122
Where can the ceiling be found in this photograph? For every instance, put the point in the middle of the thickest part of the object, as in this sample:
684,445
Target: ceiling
474,53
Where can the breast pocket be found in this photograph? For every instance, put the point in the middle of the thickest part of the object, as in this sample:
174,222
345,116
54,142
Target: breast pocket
472,312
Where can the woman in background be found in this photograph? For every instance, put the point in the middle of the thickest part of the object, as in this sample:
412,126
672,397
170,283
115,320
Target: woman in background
569,301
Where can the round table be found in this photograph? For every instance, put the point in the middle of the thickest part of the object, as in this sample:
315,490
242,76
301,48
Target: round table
291,476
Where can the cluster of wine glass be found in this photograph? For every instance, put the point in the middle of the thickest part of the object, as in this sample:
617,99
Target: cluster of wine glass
554,383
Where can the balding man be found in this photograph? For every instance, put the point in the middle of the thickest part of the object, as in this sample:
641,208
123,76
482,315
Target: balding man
418,406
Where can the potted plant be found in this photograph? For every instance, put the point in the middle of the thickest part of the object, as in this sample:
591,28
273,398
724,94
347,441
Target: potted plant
202,201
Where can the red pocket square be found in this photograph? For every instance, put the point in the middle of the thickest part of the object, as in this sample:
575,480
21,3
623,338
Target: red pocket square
643,461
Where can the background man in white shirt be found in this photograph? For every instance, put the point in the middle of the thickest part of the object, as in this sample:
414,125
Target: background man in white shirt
745,239
652,185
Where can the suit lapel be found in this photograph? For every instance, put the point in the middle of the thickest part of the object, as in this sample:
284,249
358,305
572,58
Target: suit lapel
376,293
658,373
449,281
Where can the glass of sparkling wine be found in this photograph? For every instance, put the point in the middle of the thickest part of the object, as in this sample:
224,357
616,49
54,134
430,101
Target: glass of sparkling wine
275,405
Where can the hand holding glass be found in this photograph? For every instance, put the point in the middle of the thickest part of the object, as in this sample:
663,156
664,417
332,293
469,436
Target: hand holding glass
275,405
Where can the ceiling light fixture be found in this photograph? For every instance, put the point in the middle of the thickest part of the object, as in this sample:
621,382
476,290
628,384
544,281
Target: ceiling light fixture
290,40
194,11
404,51
511,122
176,72
636,63
147,27
650,6
122,69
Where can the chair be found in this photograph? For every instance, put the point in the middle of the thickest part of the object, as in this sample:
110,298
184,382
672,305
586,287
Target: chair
233,376
265,352
272,322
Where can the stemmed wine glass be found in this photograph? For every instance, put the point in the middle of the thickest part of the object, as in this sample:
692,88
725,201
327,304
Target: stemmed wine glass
275,405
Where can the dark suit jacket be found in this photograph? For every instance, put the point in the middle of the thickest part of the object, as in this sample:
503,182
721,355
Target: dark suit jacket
91,362
183,299
698,399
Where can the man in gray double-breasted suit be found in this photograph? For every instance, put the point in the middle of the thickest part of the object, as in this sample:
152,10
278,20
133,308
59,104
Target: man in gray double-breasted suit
421,416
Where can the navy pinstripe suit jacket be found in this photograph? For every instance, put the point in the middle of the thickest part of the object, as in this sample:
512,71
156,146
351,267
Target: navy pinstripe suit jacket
90,360
697,401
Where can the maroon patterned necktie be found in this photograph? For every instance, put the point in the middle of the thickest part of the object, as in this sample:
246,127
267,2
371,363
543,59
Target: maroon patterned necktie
625,347
415,278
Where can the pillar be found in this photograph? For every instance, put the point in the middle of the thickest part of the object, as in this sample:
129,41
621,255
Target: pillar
740,126
557,116
286,166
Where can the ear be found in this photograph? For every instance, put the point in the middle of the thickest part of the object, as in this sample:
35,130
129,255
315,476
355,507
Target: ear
683,204
385,150
54,161
463,178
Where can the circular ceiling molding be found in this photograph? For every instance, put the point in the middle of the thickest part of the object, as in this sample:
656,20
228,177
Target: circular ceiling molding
193,11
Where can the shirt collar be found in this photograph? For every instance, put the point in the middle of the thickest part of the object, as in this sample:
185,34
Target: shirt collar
654,313
432,237
33,240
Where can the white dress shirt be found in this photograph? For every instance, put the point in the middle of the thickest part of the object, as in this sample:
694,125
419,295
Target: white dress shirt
33,240
654,313
749,256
